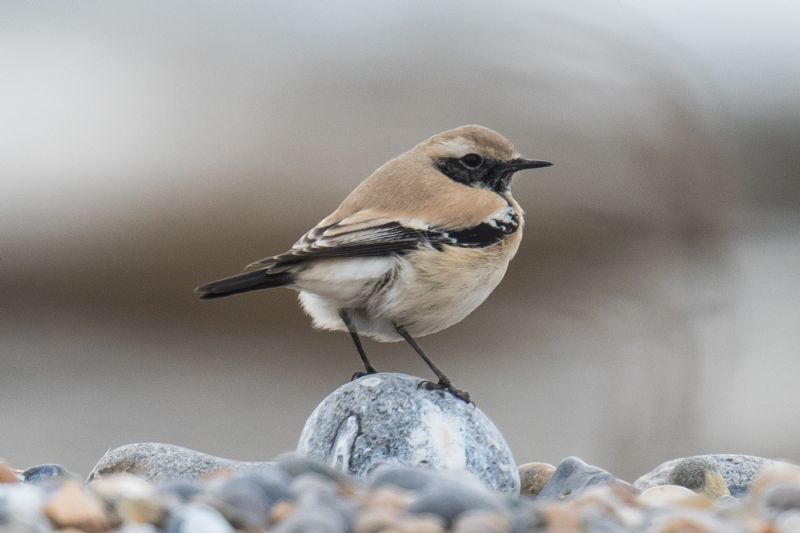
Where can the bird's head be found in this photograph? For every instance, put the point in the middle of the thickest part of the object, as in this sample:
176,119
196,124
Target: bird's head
477,157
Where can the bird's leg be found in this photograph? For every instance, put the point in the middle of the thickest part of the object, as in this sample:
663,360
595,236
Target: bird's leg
368,368
444,381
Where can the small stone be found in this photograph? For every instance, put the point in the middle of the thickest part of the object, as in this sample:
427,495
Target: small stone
313,485
375,521
137,528
700,475
777,473
71,506
788,522
560,518
572,477
420,524
296,465
141,511
664,495
45,472
404,477
533,477
611,507
606,524
684,522
7,475
738,471
482,522
133,498
241,500
281,511
155,461
313,519
429,428
122,486
781,498
181,490
449,499
529,519
198,518
387,498
21,508
273,483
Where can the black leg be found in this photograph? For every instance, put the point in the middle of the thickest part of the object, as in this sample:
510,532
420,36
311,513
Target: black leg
368,368
444,381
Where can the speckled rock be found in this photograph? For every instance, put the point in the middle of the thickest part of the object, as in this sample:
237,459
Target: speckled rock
738,471
572,477
154,461
700,475
350,431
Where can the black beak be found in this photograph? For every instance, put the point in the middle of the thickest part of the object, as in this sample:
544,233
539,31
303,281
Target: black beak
521,164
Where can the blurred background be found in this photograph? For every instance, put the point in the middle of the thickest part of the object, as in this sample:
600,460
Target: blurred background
146,147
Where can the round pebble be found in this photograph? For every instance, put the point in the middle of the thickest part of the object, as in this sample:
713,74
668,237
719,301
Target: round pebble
181,490
74,507
46,472
241,500
198,518
449,499
664,495
313,519
21,506
781,498
429,428
533,477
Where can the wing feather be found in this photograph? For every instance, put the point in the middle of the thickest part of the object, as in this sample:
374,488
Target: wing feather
362,238
356,236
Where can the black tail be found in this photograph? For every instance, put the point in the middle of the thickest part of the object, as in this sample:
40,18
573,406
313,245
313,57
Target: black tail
246,282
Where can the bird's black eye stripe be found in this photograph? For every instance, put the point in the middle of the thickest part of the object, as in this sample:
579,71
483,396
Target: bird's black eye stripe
472,160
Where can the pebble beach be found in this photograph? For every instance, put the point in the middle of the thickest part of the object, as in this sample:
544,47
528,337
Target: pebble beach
295,494
384,455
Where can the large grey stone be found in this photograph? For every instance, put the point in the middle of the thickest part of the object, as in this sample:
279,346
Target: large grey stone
393,419
738,471
155,461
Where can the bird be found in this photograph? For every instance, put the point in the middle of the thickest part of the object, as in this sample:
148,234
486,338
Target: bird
412,250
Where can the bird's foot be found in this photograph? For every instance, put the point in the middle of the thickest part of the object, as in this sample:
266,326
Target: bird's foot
367,372
446,385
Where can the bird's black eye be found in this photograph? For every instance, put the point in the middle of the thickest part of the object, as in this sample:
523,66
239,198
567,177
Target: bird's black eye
471,160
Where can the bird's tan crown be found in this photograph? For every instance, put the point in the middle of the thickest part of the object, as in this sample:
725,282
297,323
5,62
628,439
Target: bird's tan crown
465,140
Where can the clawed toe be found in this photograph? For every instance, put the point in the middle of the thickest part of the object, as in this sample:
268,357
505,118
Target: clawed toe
357,375
460,394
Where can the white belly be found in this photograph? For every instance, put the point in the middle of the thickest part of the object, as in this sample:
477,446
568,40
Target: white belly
424,291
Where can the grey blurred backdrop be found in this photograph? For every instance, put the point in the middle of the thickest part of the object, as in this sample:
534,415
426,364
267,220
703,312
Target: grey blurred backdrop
148,146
